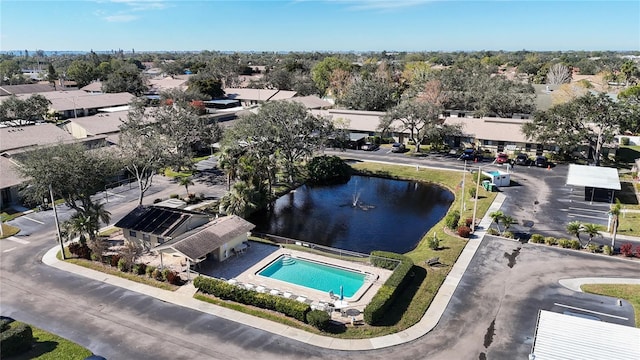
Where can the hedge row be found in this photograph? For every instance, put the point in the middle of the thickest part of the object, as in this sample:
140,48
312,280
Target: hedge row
289,307
15,339
388,292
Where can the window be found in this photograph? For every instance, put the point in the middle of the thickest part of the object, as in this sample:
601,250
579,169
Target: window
146,237
132,233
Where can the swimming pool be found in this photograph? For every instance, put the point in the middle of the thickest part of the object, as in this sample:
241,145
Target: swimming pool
314,275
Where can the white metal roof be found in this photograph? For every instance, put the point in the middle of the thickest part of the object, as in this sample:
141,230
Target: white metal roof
593,176
560,336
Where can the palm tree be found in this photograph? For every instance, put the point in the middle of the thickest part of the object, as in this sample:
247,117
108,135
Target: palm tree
97,214
615,213
592,230
78,225
228,162
239,201
575,228
497,216
508,221
185,181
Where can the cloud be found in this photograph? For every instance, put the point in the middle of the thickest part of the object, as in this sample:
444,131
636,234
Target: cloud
381,4
130,9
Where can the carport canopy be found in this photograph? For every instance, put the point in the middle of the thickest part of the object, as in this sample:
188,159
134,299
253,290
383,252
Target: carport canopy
593,176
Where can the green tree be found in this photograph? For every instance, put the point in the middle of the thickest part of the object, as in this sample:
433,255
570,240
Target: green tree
127,78
240,200
82,72
228,162
370,94
52,76
416,117
589,118
328,170
592,230
9,69
323,70
497,217
575,228
616,210
185,181
24,112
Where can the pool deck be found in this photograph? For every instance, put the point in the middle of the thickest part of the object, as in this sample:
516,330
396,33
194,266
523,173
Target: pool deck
360,299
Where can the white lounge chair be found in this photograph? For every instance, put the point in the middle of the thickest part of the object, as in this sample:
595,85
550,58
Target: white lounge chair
288,295
274,292
261,289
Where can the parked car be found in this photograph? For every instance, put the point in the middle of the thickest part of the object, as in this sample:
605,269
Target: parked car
470,154
502,158
541,161
398,147
523,159
369,146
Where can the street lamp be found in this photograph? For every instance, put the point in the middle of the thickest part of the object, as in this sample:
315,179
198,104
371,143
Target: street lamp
475,203
55,215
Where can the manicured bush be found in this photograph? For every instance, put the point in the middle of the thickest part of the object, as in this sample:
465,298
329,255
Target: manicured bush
173,278
139,269
472,193
318,319
550,240
156,200
16,339
492,231
638,251
5,323
157,274
575,244
626,249
536,239
607,250
289,307
452,219
624,141
508,235
174,196
115,259
395,284
594,248
564,243
464,231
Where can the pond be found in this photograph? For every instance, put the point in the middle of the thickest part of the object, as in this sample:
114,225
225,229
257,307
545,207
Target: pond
365,214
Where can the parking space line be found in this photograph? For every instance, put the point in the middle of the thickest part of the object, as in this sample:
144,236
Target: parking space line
583,209
34,220
19,241
587,216
13,248
590,311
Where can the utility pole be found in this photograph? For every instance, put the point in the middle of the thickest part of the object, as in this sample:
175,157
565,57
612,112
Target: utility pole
475,204
463,205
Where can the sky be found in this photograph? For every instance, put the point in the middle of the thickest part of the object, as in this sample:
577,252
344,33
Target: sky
319,25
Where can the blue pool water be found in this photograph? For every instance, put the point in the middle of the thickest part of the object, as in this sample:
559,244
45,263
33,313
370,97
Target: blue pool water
314,275
494,173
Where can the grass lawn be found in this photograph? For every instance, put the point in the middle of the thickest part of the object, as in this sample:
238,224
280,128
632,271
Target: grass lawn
629,224
168,172
47,346
8,230
631,293
409,308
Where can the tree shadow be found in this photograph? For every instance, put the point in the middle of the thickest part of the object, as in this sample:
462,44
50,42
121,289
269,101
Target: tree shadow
38,348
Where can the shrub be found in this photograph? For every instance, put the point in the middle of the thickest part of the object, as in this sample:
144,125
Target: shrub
16,339
492,231
165,273
607,250
594,248
624,141
468,222
433,242
122,265
472,192
626,249
174,196
318,319
80,250
5,323
564,243
575,244
638,251
464,231
550,240
536,239
508,235
155,201
395,284
173,278
222,290
452,219
139,269
115,259
157,274
150,270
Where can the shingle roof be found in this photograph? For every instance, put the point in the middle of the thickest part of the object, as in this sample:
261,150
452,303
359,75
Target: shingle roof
155,220
78,99
10,176
168,83
27,88
495,129
95,86
311,102
258,94
201,241
102,123
12,138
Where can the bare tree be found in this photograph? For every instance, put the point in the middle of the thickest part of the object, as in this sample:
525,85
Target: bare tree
558,74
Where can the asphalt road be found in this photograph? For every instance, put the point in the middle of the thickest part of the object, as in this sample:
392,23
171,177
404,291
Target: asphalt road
492,312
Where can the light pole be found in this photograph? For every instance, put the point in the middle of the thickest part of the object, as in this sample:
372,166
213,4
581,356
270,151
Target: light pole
475,203
462,206
55,215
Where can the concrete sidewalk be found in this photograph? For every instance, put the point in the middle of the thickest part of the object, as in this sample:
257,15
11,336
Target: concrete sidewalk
184,297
